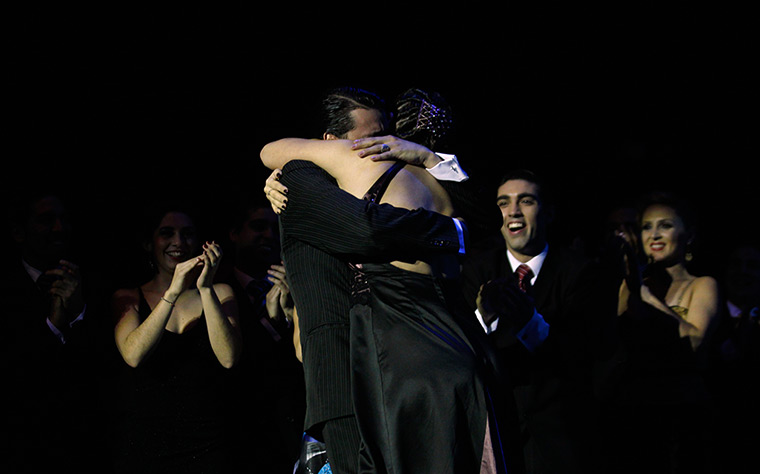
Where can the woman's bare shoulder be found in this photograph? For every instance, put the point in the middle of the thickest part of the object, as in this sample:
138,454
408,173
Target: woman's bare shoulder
415,187
125,293
705,283
125,299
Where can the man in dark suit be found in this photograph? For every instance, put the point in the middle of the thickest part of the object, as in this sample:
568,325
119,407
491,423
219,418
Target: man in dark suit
322,228
269,383
51,331
549,328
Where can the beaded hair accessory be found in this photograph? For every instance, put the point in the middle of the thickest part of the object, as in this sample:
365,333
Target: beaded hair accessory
433,119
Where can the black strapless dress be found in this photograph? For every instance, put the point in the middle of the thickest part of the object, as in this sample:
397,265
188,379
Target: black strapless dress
420,399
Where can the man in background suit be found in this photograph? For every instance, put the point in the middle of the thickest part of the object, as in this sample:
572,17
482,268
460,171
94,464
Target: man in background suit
324,227
549,334
51,331
269,378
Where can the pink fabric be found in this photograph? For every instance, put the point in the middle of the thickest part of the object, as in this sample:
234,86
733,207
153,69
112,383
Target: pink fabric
488,461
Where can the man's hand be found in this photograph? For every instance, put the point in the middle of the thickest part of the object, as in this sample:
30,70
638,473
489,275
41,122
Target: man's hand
64,285
276,192
501,298
279,302
393,148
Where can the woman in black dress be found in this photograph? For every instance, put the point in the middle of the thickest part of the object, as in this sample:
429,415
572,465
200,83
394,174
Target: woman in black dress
661,415
420,396
177,333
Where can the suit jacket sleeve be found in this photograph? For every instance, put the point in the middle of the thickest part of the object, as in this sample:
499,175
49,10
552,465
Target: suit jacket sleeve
473,203
577,304
320,213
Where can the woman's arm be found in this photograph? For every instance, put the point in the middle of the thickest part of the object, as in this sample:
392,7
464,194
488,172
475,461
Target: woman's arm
330,155
220,309
297,336
348,227
136,340
221,312
703,309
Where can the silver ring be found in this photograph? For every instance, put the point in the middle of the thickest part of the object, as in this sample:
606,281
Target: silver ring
385,148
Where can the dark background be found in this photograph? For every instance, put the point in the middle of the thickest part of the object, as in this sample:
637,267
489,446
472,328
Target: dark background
121,102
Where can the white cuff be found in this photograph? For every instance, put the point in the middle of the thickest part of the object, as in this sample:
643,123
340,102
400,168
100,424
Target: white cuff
532,335
55,330
58,333
490,328
448,169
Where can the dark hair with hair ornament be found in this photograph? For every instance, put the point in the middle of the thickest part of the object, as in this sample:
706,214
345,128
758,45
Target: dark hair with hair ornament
425,118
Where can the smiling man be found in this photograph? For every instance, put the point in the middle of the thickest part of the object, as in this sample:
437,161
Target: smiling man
526,216
547,313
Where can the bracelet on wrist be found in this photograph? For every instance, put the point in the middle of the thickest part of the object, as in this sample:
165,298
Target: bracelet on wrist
170,302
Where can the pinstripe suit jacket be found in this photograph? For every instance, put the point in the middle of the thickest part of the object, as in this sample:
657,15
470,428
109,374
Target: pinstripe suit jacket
322,229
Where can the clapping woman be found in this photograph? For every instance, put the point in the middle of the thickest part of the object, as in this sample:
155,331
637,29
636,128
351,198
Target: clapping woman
177,333
666,312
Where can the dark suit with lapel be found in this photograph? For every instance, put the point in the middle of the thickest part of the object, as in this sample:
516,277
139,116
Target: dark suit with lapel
54,416
268,387
322,229
553,387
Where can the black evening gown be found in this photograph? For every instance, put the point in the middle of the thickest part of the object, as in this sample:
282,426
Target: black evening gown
178,408
420,399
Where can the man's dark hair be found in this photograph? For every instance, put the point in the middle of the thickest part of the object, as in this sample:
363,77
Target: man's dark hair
339,103
545,194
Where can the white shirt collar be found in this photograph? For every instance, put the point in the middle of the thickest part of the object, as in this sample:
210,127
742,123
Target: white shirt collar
534,263
733,310
33,272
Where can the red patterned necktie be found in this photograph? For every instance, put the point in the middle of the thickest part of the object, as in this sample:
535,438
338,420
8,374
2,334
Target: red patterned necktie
524,274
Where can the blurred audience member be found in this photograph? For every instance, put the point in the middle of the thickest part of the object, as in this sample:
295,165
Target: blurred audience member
736,362
53,422
662,411
742,286
269,378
